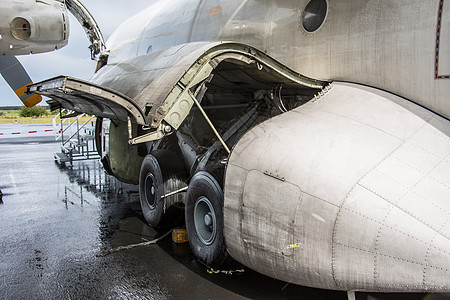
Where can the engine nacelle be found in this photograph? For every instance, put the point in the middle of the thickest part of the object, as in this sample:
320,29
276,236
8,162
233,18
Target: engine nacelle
30,26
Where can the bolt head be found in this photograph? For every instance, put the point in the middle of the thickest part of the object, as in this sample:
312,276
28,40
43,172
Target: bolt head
167,129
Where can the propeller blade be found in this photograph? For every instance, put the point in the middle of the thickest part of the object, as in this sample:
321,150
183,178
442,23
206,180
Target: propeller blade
18,79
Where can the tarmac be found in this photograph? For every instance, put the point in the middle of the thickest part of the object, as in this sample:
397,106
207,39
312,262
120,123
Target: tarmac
76,233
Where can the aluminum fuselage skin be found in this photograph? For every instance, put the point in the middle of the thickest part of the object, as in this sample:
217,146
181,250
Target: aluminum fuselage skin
390,45
349,192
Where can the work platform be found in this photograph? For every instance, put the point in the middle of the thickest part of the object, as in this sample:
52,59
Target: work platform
77,138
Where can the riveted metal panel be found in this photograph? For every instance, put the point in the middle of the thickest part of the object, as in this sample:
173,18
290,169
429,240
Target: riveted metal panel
373,174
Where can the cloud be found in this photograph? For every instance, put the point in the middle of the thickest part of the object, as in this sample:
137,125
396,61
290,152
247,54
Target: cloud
74,59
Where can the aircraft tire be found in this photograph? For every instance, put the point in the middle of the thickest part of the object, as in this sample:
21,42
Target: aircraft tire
98,145
162,172
204,220
107,165
98,132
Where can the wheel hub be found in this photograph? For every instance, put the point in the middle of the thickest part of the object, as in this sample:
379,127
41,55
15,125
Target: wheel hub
208,220
205,221
150,190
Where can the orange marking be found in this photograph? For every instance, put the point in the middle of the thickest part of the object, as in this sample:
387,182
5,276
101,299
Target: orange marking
214,11
30,101
20,92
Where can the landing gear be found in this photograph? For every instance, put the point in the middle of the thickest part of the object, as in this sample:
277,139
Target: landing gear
204,220
99,144
162,172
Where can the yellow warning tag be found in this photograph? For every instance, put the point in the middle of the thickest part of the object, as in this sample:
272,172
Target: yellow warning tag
292,246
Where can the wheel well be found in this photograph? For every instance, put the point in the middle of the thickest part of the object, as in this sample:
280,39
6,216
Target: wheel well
238,96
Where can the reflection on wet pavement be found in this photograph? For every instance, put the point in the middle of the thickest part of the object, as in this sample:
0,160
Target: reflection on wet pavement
55,222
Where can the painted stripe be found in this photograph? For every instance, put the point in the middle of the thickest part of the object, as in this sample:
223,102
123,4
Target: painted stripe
214,11
27,132
22,90
32,100
28,100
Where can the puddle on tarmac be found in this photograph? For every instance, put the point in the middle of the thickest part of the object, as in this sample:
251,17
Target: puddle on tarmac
56,220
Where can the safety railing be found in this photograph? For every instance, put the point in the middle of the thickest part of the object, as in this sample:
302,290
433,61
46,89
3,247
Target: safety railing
77,138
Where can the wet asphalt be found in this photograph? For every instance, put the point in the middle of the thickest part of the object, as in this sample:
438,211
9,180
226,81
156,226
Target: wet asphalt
56,222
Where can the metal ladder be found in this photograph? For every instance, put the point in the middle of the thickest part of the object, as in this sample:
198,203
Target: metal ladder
77,139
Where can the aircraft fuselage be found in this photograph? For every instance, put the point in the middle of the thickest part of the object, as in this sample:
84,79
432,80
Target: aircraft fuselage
399,46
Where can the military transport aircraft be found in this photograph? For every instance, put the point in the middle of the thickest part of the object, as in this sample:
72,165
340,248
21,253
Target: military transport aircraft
306,139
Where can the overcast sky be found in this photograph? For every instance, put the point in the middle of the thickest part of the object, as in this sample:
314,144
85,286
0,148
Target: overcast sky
74,59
